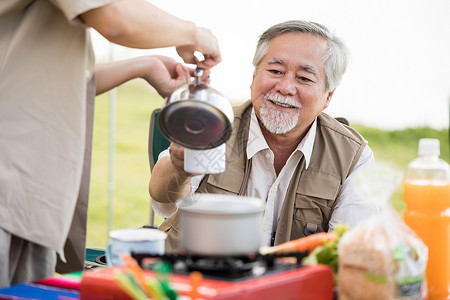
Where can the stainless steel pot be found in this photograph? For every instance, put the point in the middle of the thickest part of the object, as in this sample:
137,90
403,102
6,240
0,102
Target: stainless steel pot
221,225
196,116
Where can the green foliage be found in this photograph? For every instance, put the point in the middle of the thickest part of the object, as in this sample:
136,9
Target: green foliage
134,105
327,254
135,102
399,147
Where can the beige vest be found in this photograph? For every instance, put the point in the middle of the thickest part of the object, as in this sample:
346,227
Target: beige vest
312,192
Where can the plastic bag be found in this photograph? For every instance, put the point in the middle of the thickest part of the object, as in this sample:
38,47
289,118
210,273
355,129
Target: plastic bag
381,258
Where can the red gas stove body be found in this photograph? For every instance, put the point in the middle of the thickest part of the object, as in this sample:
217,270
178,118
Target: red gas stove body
306,283
292,283
303,283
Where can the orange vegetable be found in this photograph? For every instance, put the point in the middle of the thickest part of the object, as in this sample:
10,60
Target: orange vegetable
307,243
137,271
195,279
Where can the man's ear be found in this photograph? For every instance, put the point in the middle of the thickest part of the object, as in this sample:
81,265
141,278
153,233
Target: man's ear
253,78
329,96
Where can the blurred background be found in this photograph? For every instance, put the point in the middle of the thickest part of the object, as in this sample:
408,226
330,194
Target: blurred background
400,70
395,91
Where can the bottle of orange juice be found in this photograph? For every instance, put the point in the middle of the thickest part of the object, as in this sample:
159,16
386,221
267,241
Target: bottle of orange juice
427,197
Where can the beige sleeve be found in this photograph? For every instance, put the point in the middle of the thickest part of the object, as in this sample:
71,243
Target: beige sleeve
72,9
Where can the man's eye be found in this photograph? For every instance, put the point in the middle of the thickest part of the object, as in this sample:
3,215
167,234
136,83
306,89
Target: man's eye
304,79
276,72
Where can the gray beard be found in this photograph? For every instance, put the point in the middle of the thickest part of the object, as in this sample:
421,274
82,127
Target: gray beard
276,121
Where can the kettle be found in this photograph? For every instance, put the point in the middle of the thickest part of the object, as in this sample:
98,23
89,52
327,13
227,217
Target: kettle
199,118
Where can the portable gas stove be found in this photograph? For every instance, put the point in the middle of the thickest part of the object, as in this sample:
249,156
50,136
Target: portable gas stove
252,276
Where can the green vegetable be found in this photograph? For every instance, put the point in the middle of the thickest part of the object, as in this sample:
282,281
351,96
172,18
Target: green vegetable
328,253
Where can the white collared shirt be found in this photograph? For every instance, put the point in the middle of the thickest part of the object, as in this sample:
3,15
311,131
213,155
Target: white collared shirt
269,187
350,207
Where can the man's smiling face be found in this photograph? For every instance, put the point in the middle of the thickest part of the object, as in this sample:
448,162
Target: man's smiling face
288,90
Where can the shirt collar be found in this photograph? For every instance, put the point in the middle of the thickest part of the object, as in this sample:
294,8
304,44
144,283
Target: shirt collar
257,143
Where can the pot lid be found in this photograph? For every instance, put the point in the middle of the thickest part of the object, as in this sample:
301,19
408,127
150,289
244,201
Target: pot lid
196,116
224,205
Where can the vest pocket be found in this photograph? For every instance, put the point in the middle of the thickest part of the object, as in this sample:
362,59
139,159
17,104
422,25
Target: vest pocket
310,209
213,185
314,200
171,227
309,217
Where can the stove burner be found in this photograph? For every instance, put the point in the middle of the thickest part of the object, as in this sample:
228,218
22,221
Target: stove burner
231,268
221,265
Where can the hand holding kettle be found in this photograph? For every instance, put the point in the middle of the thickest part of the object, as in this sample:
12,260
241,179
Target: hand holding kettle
163,73
166,74
207,45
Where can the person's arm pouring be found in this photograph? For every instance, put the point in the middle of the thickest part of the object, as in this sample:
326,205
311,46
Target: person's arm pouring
161,72
139,24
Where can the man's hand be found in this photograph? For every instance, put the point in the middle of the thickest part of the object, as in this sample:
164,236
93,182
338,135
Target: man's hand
166,75
207,45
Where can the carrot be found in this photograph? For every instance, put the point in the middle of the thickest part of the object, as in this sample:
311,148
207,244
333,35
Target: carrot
195,280
307,243
137,271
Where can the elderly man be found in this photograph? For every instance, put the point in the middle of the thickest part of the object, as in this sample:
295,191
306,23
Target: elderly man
283,148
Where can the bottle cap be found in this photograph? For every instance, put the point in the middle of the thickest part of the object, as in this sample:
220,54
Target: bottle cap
429,147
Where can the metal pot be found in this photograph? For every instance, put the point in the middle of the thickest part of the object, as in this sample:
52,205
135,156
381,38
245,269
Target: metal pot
196,116
221,225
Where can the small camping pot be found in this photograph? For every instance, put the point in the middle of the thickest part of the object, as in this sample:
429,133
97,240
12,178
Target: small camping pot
219,224
196,116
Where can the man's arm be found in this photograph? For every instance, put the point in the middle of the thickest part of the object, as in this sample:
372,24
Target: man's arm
169,182
139,24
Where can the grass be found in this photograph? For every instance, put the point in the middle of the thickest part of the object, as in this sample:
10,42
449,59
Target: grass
135,102
134,105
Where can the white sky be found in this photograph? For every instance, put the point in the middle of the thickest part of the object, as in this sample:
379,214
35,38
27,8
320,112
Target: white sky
399,75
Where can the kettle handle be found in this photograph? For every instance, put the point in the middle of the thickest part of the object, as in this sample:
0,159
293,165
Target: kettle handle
198,75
